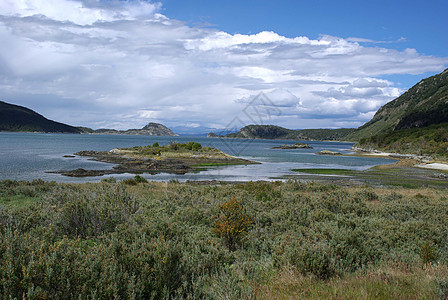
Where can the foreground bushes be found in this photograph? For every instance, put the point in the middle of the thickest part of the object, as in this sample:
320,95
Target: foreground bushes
111,240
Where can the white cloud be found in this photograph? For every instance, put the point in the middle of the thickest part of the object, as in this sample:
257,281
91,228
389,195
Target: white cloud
78,12
123,64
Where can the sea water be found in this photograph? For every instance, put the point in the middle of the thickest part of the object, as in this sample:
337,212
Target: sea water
28,156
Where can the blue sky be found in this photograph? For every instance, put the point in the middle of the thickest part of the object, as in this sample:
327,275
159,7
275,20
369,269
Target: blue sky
195,65
423,25
397,24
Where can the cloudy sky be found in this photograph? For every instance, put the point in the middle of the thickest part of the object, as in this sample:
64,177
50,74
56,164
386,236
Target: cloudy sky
200,64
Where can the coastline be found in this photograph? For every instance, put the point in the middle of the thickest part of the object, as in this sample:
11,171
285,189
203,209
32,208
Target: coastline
408,159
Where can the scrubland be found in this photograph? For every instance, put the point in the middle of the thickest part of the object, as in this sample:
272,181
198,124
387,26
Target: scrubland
141,240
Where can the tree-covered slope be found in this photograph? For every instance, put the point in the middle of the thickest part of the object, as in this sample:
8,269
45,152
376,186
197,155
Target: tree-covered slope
19,118
424,104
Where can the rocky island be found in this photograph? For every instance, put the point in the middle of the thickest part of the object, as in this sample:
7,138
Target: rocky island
328,152
174,158
293,146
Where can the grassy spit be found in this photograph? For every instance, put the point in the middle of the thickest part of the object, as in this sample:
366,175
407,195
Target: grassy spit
168,240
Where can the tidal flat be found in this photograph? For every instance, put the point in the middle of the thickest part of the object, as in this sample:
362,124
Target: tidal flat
267,240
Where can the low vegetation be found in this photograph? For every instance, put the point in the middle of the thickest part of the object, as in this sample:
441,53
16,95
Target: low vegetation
234,241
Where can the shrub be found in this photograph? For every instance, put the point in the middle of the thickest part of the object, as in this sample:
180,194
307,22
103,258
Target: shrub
315,259
428,253
109,180
155,145
140,179
193,146
130,181
232,224
174,146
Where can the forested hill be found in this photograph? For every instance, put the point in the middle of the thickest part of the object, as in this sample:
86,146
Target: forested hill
18,118
426,103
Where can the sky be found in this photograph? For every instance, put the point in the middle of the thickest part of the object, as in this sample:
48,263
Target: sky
204,65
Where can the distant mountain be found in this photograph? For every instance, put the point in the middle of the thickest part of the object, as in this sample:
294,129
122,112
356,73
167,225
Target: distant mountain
15,118
280,133
424,104
150,129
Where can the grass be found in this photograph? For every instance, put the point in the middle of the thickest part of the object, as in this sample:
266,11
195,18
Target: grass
398,175
160,240
389,282
17,200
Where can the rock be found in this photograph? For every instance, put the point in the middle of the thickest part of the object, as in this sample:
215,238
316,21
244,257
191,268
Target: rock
295,146
212,135
81,173
69,156
328,152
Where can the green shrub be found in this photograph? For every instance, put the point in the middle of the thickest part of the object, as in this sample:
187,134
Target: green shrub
193,146
155,145
130,181
428,253
109,180
140,179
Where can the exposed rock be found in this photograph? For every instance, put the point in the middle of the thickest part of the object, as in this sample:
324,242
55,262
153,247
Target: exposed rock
328,152
212,135
294,146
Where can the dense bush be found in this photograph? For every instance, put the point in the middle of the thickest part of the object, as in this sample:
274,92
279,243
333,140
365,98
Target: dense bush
169,240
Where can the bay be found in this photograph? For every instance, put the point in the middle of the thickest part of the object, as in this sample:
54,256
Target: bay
27,156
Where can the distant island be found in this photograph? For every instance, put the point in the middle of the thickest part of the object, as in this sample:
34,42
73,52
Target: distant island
280,133
297,145
15,118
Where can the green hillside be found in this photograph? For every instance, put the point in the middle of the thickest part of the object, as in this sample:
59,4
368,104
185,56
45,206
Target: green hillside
18,118
416,122
424,104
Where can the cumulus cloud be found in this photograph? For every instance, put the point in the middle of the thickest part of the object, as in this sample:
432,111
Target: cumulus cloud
123,64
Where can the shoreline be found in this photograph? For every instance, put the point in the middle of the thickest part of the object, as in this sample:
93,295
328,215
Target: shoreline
413,160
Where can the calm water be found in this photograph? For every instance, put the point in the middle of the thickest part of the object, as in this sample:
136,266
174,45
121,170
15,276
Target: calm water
26,156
